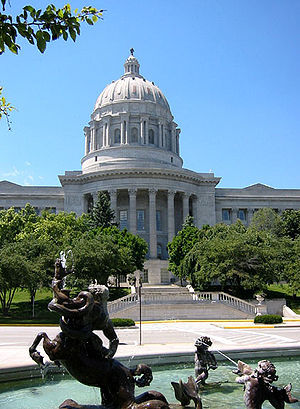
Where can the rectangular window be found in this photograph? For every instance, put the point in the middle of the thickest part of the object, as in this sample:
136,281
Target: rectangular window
144,276
140,214
158,220
123,219
225,215
242,214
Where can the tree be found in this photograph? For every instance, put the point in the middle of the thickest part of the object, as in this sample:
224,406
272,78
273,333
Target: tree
290,225
266,219
13,269
5,108
97,256
39,254
134,245
179,247
237,257
39,27
102,215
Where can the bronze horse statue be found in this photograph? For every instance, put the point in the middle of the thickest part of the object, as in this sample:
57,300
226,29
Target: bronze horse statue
81,351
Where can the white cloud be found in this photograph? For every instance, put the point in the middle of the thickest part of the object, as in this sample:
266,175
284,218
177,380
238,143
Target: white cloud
27,163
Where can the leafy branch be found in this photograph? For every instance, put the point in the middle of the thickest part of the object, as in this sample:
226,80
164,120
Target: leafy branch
5,108
40,27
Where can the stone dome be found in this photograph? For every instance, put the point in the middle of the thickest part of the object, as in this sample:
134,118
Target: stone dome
131,87
131,126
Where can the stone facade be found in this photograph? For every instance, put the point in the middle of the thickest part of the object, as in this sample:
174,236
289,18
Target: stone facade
132,150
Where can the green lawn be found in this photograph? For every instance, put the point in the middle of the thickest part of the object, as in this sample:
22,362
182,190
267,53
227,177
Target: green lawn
283,291
21,309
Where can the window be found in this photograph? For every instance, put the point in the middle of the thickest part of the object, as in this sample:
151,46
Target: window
226,215
144,276
151,136
96,158
140,220
134,135
242,214
158,220
123,219
159,251
117,136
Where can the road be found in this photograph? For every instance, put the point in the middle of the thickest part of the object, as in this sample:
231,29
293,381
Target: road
158,338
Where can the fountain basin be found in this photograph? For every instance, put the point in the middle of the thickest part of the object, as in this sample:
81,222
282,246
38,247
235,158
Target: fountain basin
221,393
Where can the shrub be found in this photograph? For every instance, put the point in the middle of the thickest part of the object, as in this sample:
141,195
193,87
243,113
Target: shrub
268,319
122,322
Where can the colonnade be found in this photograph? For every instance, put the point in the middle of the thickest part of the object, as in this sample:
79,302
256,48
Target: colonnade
152,207
104,130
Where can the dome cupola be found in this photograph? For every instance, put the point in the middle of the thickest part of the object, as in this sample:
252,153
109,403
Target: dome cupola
131,65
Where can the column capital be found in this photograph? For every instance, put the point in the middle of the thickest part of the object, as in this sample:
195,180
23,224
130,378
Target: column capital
152,191
132,191
171,192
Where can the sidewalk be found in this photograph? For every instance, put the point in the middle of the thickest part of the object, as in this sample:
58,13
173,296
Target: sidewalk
161,342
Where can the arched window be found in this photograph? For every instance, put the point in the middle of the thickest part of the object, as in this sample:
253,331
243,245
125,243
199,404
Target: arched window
117,136
151,136
134,135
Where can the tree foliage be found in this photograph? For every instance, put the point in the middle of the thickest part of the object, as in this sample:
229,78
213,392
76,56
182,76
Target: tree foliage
102,215
290,223
13,269
39,27
266,219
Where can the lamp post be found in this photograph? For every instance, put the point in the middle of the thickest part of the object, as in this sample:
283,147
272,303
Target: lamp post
140,302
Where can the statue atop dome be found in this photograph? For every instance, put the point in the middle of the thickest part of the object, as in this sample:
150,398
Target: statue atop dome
131,51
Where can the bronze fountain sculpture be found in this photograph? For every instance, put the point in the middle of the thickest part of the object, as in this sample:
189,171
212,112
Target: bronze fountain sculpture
82,353
258,386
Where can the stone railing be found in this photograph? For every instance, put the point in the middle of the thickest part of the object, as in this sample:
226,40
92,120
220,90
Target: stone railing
237,303
190,297
122,303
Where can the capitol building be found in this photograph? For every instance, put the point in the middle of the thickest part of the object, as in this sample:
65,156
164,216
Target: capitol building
132,150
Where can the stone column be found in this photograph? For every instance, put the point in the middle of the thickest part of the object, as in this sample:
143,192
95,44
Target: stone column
122,132
87,139
250,214
95,197
160,144
132,210
195,207
142,131
185,205
152,223
171,215
126,131
108,139
104,134
146,131
234,213
198,211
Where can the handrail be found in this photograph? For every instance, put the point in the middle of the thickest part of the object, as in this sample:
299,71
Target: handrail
166,297
121,303
237,303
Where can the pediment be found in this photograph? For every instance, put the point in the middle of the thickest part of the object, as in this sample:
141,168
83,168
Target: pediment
258,186
5,185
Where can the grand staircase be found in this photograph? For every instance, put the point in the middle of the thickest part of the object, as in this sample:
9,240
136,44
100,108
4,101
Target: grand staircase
174,302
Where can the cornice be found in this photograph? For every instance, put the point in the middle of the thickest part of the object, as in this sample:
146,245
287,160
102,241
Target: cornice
256,197
180,175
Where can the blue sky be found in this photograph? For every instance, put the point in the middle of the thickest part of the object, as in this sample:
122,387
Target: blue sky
230,70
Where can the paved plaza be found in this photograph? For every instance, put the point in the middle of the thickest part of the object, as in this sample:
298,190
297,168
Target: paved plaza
159,338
